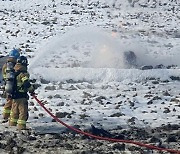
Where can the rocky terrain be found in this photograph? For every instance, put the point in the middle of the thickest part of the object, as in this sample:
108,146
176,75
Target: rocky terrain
53,138
66,142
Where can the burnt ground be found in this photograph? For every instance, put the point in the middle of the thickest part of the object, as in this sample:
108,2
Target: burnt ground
67,142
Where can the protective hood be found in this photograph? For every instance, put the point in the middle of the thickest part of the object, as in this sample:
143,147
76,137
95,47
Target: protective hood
19,67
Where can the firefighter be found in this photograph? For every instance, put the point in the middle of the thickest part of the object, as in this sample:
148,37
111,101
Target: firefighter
19,110
7,67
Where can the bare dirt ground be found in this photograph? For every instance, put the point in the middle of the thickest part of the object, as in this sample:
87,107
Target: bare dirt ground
67,142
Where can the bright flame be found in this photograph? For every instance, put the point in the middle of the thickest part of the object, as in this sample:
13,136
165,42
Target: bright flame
114,34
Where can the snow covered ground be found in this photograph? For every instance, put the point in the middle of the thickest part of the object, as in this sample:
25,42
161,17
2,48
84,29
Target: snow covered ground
76,54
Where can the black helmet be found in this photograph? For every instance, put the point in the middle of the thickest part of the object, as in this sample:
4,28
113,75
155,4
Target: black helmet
22,60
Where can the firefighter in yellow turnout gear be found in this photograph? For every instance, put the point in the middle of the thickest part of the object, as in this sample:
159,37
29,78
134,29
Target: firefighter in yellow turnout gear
11,60
19,110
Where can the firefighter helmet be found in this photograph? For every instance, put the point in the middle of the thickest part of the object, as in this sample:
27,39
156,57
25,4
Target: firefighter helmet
14,53
22,60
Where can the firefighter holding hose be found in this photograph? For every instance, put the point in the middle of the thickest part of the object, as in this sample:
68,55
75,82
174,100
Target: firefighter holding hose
22,85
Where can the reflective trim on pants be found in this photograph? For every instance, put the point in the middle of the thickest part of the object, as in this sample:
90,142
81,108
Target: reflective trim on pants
13,120
6,111
21,122
11,113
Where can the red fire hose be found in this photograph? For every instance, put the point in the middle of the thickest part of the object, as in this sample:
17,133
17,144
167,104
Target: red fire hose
104,138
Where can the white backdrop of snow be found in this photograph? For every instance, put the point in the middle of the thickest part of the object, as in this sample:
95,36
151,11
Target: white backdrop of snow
95,55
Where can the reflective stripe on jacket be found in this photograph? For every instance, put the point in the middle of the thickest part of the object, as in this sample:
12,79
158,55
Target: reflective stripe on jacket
23,84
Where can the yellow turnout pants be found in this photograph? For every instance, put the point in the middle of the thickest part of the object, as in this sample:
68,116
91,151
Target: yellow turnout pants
19,113
7,108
